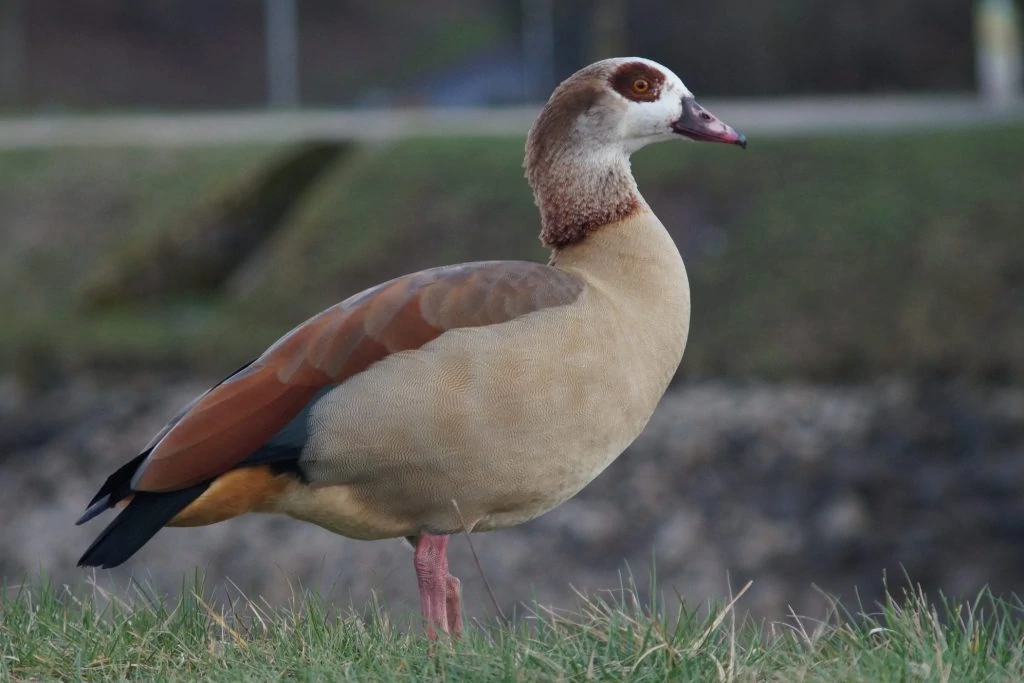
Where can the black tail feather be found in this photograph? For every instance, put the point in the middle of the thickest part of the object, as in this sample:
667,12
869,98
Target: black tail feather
137,523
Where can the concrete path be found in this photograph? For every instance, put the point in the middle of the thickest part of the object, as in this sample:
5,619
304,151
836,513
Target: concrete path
790,116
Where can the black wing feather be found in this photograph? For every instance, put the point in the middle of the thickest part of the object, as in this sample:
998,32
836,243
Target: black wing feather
118,486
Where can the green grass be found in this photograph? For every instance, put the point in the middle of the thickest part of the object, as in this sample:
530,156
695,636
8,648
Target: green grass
821,258
51,634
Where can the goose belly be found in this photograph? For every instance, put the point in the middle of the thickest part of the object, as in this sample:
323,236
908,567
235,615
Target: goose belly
488,429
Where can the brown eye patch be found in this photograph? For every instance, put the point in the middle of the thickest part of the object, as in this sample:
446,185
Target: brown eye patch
638,82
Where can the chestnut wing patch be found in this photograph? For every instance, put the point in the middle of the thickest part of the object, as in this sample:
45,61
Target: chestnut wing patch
251,408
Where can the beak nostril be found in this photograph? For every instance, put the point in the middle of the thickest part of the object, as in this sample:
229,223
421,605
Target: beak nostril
705,116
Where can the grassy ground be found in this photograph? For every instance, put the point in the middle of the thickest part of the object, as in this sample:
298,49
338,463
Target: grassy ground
62,212
822,258
46,634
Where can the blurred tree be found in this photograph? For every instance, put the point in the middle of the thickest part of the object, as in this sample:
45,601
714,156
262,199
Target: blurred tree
739,47
200,53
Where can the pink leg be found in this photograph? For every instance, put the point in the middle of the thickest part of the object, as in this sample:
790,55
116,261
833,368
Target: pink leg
453,603
439,592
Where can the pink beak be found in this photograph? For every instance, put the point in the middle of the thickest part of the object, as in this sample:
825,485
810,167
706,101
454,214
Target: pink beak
697,123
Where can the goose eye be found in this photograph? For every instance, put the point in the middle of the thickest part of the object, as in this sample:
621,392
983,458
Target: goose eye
641,86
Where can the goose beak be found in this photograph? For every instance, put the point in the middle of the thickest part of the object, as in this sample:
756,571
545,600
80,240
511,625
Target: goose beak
697,123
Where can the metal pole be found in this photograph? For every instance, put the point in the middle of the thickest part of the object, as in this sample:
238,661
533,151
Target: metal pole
999,60
538,48
609,33
282,46
12,52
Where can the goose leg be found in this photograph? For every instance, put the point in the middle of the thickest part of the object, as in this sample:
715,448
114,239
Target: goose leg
440,603
453,603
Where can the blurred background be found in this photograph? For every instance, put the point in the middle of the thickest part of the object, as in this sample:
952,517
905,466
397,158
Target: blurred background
180,183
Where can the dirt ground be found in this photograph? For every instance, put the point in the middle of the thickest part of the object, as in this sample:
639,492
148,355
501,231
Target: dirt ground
800,488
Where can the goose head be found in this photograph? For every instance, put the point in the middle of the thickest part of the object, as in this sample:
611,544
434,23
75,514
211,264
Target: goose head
626,102
577,151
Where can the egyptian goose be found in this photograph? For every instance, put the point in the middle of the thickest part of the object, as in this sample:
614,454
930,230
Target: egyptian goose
463,398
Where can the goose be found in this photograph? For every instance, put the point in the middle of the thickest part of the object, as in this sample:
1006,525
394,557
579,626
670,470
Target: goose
464,398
